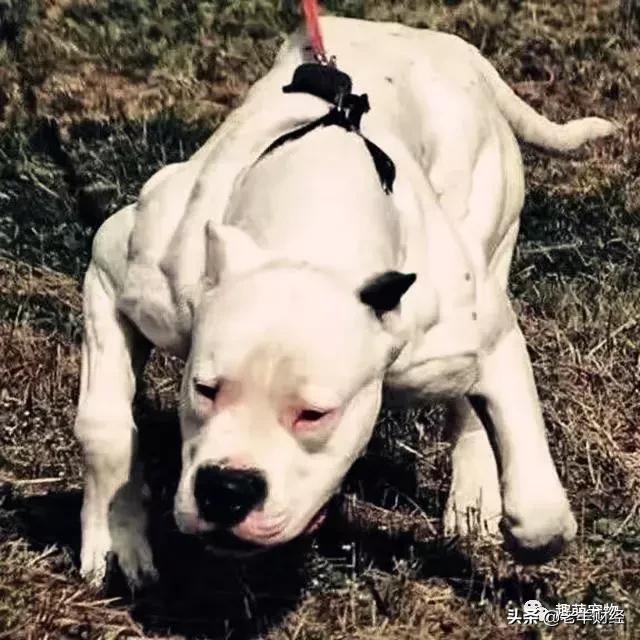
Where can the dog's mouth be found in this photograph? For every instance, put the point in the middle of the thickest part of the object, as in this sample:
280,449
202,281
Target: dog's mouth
316,522
225,543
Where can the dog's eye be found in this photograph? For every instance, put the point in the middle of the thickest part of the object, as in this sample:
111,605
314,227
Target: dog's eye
207,390
311,415
312,419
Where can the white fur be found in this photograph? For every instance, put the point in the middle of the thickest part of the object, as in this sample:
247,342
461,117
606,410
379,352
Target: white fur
250,270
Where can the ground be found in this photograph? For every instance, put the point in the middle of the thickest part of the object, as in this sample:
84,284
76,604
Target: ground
95,95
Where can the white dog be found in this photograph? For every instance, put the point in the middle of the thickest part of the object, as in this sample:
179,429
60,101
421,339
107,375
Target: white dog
286,280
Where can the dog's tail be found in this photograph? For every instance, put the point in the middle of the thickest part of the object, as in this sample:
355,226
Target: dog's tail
533,127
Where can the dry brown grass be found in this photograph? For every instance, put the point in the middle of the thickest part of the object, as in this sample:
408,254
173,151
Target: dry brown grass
40,598
25,281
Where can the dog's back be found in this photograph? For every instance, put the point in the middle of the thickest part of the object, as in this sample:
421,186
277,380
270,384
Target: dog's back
436,105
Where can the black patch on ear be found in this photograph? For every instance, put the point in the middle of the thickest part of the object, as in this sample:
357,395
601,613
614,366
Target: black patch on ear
385,291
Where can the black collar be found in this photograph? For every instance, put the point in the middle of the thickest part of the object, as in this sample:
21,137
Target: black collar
334,86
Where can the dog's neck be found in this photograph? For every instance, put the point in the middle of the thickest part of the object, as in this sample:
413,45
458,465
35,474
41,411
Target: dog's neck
319,200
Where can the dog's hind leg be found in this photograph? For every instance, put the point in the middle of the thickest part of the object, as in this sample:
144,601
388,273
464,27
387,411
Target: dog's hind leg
474,505
113,514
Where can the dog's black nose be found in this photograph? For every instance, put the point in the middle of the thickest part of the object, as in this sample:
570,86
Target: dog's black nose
226,496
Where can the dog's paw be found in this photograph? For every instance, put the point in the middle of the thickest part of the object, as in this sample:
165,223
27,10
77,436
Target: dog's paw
473,511
537,528
131,549
135,558
94,556
474,505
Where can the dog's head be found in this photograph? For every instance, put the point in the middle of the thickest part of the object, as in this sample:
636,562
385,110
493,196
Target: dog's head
281,390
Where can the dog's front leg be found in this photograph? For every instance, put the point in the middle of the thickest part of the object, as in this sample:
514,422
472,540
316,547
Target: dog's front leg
113,516
537,519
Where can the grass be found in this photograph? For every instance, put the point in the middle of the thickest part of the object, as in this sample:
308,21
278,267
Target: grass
95,95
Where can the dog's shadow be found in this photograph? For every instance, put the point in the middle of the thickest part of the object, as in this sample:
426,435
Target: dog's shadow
198,594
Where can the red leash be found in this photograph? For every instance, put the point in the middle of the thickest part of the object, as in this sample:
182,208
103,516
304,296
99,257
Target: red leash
311,16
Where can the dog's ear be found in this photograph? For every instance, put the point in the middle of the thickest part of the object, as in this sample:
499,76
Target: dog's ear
384,292
230,251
